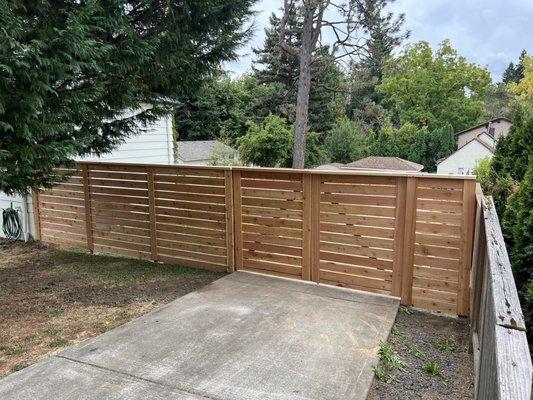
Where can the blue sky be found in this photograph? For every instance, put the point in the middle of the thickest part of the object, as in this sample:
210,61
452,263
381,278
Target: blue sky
488,32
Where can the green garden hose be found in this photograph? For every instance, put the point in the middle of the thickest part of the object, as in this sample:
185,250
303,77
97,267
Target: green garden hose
11,225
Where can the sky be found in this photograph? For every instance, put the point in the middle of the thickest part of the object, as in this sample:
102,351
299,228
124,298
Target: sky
491,33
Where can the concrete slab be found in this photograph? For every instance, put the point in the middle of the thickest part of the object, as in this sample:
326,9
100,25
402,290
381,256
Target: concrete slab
245,336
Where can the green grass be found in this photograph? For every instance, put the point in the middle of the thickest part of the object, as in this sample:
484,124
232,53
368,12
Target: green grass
415,351
389,358
15,349
52,331
112,270
433,368
19,366
445,345
59,342
406,310
382,376
55,311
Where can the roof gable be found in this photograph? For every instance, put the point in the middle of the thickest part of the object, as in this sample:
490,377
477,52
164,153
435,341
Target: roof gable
484,124
472,142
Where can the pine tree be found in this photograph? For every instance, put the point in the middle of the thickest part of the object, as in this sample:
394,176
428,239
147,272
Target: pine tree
514,73
69,69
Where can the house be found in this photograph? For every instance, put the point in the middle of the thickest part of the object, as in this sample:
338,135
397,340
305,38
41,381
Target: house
153,144
203,152
390,164
473,145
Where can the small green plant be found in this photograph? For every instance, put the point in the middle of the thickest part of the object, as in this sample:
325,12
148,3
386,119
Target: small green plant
55,312
415,351
382,376
15,349
19,366
395,330
433,368
52,331
59,342
445,345
406,310
389,358
123,316
31,337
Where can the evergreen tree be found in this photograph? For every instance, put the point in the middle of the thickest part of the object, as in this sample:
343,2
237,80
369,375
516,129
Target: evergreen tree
69,70
514,73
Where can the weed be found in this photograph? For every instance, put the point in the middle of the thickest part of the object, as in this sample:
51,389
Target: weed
382,376
31,337
19,366
415,351
395,330
406,310
15,349
55,312
52,331
433,368
389,358
123,316
59,342
446,345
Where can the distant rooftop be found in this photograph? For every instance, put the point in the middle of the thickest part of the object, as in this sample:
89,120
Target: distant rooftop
384,163
486,124
199,150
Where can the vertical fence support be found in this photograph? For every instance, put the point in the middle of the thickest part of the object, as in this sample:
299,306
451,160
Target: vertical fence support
230,240
88,215
467,238
409,241
306,226
399,232
315,227
151,209
237,219
36,214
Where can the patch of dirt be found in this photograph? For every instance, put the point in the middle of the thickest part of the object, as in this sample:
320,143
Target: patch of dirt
52,298
420,338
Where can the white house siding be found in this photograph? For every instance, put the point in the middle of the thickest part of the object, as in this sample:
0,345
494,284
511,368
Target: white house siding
464,160
153,145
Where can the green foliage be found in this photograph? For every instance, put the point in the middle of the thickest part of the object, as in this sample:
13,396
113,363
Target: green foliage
224,155
69,71
483,172
434,89
382,376
514,73
415,351
59,342
433,368
346,142
15,349
389,358
445,345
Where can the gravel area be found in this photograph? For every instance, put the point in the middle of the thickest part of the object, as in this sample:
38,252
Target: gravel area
430,359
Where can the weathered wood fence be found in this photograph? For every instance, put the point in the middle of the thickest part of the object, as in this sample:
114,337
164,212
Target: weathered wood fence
501,354
410,236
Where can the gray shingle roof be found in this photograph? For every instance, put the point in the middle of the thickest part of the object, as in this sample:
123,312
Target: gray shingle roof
384,163
196,150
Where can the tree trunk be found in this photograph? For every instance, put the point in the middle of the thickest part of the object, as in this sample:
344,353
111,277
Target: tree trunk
304,86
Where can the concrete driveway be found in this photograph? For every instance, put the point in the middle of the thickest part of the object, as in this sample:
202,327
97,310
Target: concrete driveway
245,336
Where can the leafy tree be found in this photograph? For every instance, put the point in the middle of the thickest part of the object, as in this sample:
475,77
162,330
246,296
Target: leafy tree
225,156
346,142
482,171
514,73
497,102
523,89
69,70
434,89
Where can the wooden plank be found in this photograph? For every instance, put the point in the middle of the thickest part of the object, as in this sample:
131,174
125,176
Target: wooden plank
237,219
436,284
358,199
358,189
192,247
187,205
467,243
381,222
272,257
274,222
357,250
184,188
188,180
272,239
438,205
443,263
191,197
36,213
399,235
357,240
120,199
50,199
277,174
434,240
438,183
126,245
230,234
200,257
268,230
438,217
187,238
272,212
349,269
272,248
271,203
267,267
152,213
88,214
409,241
354,259
307,226
440,194
117,183
314,226
354,281
192,214
438,229
359,210
121,191
434,305
190,230
271,194
271,184
191,263
443,252
193,222
358,230
327,177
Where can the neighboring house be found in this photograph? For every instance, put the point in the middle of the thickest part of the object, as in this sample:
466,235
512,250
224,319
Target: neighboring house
390,164
203,152
153,144
473,145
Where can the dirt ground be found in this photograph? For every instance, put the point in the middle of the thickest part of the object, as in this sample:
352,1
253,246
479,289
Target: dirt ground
52,298
435,362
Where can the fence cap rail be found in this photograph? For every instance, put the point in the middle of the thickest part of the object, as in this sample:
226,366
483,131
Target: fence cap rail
289,170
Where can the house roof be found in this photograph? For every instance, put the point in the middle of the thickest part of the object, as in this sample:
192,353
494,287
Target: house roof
476,139
484,124
384,163
330,167
196,150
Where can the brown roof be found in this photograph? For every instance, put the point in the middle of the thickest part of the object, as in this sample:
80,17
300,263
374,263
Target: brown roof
385,163
485,124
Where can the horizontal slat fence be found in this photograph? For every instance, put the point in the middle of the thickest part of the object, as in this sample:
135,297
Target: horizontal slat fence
404,235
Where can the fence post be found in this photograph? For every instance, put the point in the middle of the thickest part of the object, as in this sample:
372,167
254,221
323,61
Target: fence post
36,214
399,235
151,209
467,239
88,215
409,242
315,227
237,220
230,240
307,226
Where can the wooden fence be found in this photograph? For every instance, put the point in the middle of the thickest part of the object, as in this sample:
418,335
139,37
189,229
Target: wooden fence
410,236
501,355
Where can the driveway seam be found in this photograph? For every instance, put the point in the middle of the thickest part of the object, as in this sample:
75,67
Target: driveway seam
138,378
